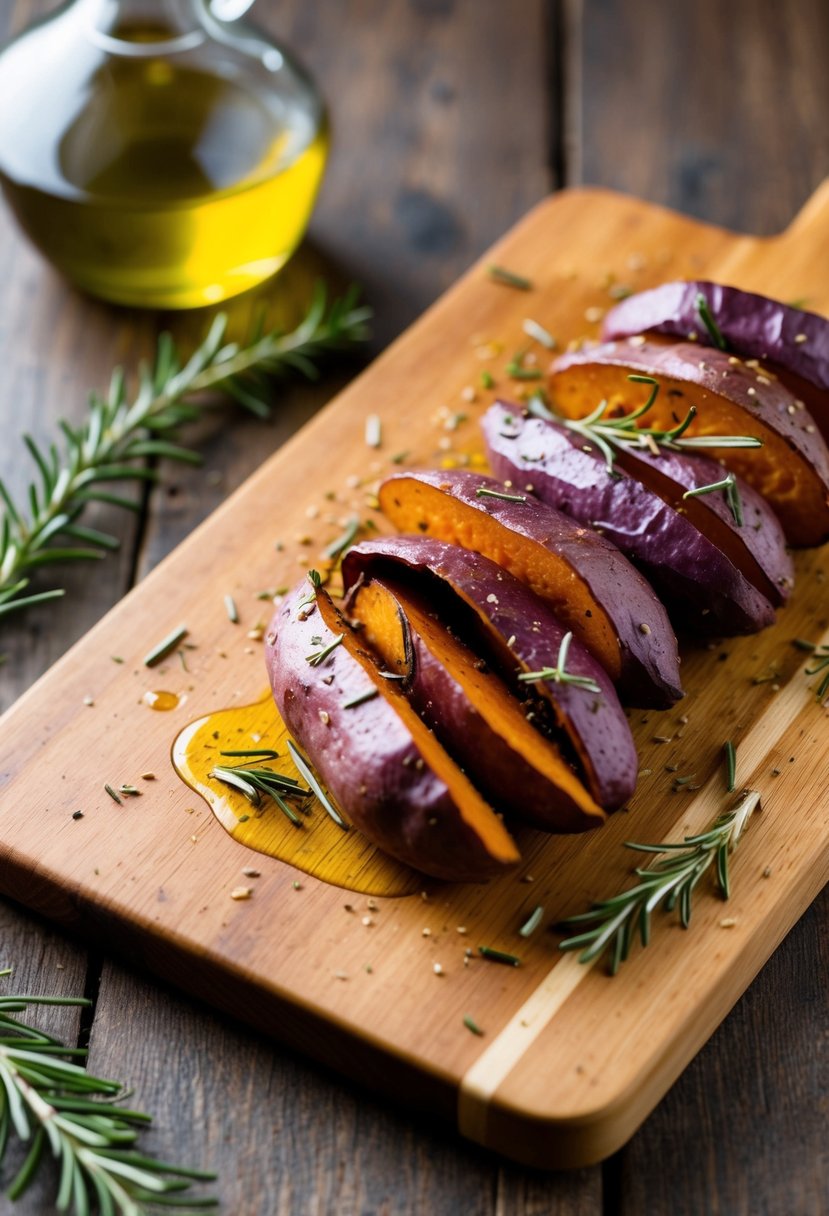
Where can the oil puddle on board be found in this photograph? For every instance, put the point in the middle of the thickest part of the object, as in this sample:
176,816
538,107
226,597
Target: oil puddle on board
318,846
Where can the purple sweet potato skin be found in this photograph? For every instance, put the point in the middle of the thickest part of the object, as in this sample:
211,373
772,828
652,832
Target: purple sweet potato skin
596,724
803,509
649,659
751,324
703,588
365,756
502,774
761,532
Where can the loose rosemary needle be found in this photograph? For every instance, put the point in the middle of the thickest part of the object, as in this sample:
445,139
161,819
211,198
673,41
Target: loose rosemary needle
120,433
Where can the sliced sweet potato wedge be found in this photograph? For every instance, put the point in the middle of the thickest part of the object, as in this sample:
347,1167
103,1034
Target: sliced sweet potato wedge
757,547
790,470
508,624
790,341
380,762
591,587
471,710
700,584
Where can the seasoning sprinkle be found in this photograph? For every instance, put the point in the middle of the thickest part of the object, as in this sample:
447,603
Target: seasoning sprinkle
241,893
531,924
533,330
112,794
499,274
487,379
232,610
499,956
165,647
374,431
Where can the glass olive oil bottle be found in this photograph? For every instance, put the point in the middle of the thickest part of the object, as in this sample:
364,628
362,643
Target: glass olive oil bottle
158,154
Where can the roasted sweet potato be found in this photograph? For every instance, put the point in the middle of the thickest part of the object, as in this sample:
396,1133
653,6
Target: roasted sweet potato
508,624
471,710
645,516
790,470
381,764
792,342
591,587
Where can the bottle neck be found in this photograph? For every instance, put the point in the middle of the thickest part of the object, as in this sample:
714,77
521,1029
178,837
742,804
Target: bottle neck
147,27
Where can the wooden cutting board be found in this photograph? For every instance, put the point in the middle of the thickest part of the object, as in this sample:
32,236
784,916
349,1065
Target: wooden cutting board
570,1060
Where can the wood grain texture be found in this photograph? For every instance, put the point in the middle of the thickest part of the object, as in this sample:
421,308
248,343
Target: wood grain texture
667,122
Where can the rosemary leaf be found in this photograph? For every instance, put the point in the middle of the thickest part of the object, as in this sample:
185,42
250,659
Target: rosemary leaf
485,492
730,765
499,274
704,314
533,921
306,771
165,646
499,956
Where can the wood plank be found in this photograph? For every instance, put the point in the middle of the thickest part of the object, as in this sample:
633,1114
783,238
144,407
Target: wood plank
686,107
298,1140
177,898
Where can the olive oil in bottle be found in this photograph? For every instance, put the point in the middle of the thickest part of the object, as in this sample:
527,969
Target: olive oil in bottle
157,155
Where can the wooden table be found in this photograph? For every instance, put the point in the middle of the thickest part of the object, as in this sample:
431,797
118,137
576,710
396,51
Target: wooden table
452,117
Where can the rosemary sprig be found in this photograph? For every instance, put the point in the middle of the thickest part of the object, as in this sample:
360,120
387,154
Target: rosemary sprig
732,495
256,782
52,1102
609,433
559,674
120,433
670,882
319,656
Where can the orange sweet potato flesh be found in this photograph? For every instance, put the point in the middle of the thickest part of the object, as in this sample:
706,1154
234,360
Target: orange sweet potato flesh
592,589
409,503
472,711
790,470
469,840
